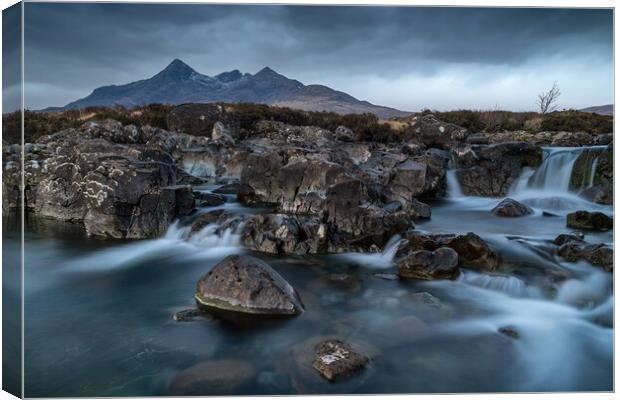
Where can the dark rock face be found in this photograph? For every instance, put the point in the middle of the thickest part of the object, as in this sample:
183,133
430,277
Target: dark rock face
217,377
244,284
589,221
429,131
423,264
595,165
336,359
119,181
511,208
489,171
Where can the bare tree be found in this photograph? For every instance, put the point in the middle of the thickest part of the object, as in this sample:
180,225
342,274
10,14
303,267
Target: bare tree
547,100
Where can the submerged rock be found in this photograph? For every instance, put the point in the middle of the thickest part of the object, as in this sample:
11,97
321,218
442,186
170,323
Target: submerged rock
247,285
218,377
511,208
509,331
188,315
589,220
423,264
335,359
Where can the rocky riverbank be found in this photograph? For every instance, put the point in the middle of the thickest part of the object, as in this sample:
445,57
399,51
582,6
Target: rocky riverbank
312,191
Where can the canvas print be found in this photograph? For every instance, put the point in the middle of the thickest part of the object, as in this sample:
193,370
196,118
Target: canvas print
204,199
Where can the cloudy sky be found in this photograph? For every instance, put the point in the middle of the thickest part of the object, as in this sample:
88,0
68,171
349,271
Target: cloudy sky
408,58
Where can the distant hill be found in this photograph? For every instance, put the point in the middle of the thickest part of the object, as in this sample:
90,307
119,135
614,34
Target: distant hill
178,83
607,109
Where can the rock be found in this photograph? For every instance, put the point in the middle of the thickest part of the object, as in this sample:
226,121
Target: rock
344,134
420,210
346,282
209,378
195,119
509,331
474,252
209,199
212,217
511,208
234,188
548,214
247,285
221,134
423,264
336,359
589,221
596,254
567,238
492,169
428,130
285,234
187,315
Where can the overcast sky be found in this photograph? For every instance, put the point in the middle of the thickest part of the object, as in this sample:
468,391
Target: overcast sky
408,58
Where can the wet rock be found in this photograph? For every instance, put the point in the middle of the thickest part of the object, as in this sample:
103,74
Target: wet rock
335,359
473,252
509,331
244,284
566,238
548,214
217,377
285,234
492,169
427,265
209,199
511,208
420,210
589,221
234,188
212,217
342,281
187,315
596,254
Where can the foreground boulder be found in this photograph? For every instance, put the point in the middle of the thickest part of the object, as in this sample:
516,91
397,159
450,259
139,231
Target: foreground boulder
427,130
423,264
242,284
511,208
336,359
589,220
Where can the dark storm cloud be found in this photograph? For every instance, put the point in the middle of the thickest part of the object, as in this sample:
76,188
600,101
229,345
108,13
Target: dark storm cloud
72,48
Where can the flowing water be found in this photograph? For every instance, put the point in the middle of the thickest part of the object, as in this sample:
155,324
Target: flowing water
99,312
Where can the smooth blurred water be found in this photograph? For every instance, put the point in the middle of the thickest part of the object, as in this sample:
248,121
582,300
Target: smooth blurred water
99,312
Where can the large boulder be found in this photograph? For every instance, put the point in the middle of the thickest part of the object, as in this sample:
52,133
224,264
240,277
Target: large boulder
511,208
589,220
429,131
491,170
242,284
423,264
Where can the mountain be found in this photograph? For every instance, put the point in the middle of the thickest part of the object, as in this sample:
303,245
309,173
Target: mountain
178,83
607,109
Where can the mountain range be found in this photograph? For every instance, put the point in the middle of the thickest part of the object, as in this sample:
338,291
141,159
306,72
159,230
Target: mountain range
607,109
178,83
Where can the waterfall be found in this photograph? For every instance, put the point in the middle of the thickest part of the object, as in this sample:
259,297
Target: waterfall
556,173
380,260
454,187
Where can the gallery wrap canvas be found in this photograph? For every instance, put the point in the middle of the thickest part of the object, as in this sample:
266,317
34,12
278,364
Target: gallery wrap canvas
251,199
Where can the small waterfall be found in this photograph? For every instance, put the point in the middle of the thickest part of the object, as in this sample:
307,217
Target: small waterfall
454,187
555,174
376,260
510,285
